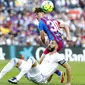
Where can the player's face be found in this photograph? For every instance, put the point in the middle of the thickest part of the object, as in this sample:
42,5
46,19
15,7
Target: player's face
52,46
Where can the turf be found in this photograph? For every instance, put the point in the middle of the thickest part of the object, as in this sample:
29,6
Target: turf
78,75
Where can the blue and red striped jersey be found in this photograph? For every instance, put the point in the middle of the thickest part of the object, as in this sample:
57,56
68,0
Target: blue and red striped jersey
51,28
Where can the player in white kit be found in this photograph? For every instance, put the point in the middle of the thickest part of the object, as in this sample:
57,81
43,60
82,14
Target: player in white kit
42,72
32,70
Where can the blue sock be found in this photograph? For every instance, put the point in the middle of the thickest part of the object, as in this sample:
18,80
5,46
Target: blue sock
58,72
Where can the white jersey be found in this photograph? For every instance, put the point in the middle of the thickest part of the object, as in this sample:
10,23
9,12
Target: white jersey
50,64
40,73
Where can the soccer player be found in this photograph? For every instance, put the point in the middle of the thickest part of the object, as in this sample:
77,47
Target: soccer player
51,27
32,70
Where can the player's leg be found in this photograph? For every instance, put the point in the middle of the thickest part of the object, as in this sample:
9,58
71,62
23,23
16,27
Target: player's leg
8,67
49,78
61,75
31,62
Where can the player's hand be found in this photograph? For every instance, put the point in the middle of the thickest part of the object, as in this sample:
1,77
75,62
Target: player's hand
46,42
68,39
68,84
70,42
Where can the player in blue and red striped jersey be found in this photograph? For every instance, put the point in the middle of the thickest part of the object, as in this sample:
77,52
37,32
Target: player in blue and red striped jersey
51,27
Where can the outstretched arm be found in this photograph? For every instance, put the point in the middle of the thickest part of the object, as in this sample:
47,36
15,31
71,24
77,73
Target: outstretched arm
67,30
68,72
42,58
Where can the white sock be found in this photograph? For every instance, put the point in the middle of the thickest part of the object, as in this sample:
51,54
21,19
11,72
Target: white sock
26,66
8,67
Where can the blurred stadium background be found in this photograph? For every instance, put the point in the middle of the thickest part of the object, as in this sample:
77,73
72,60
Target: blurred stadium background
19,34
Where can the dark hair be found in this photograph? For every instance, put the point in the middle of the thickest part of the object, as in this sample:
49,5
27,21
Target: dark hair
38,10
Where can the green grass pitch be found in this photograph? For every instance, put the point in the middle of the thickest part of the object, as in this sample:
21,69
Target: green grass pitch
78,75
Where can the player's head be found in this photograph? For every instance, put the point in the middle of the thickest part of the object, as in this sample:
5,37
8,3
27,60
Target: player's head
52,46
39,13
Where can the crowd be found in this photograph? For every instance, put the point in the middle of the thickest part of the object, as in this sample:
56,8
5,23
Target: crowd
19,26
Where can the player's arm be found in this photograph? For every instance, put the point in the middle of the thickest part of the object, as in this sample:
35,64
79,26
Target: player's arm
67,30
42,58
60,60
49,78
68,70
42,36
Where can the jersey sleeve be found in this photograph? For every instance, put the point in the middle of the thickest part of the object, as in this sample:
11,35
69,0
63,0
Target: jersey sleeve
60,59
41,25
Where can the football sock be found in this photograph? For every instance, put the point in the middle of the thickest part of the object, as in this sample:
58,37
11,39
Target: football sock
8,67
27,65
58,72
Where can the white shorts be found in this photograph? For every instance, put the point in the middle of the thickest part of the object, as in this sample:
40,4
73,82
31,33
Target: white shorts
40,73
38,78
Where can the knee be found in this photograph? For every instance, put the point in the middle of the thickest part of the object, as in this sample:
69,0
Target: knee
15,60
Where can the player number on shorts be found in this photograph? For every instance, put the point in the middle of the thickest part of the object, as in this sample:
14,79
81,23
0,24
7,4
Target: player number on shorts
53,25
